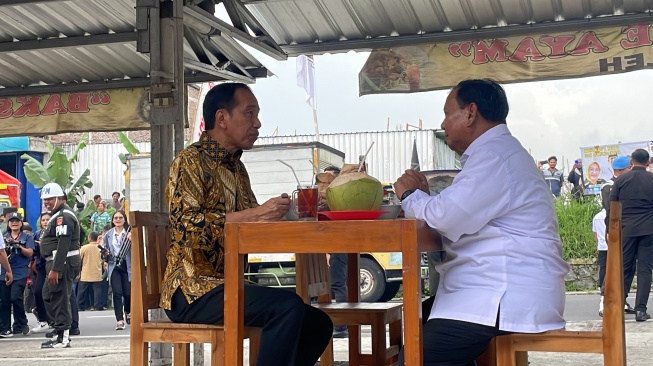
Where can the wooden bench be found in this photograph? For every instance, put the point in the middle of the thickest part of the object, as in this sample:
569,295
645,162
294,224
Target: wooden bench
150,243
610,341
312,281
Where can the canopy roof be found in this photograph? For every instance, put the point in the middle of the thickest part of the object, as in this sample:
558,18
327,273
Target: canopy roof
319,26
49,46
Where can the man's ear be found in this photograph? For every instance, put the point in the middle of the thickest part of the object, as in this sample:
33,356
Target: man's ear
221,117
470,114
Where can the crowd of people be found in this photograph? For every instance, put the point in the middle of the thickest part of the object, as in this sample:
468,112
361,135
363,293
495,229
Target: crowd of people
50,274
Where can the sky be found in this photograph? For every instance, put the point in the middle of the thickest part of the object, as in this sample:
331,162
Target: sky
548,117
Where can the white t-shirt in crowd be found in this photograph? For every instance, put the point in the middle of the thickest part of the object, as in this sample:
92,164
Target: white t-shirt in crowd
598,226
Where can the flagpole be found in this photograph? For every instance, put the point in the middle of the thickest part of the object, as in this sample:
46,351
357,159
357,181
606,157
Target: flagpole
317,131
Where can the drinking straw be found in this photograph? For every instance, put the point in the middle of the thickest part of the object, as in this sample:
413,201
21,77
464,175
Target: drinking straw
365,157
293,171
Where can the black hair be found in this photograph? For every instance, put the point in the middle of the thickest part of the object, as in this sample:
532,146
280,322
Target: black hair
93,236
107,227
27,227
118,193
552,157
220,97
126,225
96,197
640,156
332,168
487,94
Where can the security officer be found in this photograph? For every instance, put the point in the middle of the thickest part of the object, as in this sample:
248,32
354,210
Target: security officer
60,248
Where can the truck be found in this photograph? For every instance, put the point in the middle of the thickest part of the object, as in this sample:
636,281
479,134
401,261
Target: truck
380,273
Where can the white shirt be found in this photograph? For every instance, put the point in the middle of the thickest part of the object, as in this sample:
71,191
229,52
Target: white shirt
500,233
2,242
598,226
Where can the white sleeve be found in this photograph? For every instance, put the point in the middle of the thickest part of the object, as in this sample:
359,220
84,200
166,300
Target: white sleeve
480,193
2,242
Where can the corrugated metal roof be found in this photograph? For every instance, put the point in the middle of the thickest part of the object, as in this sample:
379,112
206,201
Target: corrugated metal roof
317,26
36,44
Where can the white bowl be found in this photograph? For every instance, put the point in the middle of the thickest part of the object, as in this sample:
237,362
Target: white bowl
392,214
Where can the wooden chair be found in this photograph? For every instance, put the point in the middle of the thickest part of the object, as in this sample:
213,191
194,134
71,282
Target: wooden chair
312,279
610,340
150,243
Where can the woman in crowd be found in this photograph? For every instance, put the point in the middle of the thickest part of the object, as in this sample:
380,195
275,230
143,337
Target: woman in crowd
39,281
100,217
12,296
119,274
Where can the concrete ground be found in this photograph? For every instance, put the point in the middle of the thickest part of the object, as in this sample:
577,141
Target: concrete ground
101,345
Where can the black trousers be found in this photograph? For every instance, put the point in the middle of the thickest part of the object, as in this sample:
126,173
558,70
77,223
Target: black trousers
638,256
58,298
74,311
602,259
338,276
294,334
87,291
13,296
121,292
37,288
452,342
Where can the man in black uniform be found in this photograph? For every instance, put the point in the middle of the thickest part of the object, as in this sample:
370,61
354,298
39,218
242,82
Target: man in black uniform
634,190
60,248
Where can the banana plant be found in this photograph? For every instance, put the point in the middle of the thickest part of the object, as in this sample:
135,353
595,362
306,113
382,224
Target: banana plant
59,169
129,146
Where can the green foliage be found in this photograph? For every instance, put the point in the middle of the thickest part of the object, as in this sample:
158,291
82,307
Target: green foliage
575,226
129,146
59,170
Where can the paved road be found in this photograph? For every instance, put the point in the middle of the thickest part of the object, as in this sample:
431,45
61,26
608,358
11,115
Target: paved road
101,345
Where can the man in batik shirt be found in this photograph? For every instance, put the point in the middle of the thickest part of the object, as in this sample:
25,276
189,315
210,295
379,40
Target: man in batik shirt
207,187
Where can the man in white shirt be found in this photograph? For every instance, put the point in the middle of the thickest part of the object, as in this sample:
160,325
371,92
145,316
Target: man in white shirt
598,228
503,270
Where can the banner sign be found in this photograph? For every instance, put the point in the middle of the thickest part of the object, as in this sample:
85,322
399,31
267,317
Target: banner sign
46,114
597,161
512,59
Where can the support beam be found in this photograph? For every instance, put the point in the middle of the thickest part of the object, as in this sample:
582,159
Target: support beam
227,29
219,73
62,42
25,2
455,36
190,78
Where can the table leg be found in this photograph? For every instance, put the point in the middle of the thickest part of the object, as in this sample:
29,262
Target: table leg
353,295
234,314
412,295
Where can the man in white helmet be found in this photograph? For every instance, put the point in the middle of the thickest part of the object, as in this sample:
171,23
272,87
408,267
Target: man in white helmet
60,248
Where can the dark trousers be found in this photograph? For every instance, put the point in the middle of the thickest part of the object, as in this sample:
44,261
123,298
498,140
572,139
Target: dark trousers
338,276
58,298
294,334
104,294
74,311
602,259
452,342
121,292
638,255
13,296
87,291
37,288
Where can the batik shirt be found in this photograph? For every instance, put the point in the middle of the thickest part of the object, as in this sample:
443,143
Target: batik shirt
205,183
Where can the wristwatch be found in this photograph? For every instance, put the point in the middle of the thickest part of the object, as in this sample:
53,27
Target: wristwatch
406,194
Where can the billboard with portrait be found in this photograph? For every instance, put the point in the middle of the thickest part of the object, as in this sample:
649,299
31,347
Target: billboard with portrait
597,161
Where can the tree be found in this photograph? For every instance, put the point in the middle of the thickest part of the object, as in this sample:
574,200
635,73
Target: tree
59,170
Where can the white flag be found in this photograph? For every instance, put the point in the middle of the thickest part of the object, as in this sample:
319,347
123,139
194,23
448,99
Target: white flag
306,78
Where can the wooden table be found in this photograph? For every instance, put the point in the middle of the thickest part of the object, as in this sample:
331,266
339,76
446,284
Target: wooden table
326,237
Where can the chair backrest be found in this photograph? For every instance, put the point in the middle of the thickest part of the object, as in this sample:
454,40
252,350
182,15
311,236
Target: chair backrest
150,243
312,277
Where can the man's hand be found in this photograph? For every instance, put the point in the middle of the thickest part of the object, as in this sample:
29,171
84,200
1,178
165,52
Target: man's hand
53,277
274,209
411,179
9,278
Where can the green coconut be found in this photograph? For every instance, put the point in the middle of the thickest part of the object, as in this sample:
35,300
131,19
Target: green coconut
354,192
